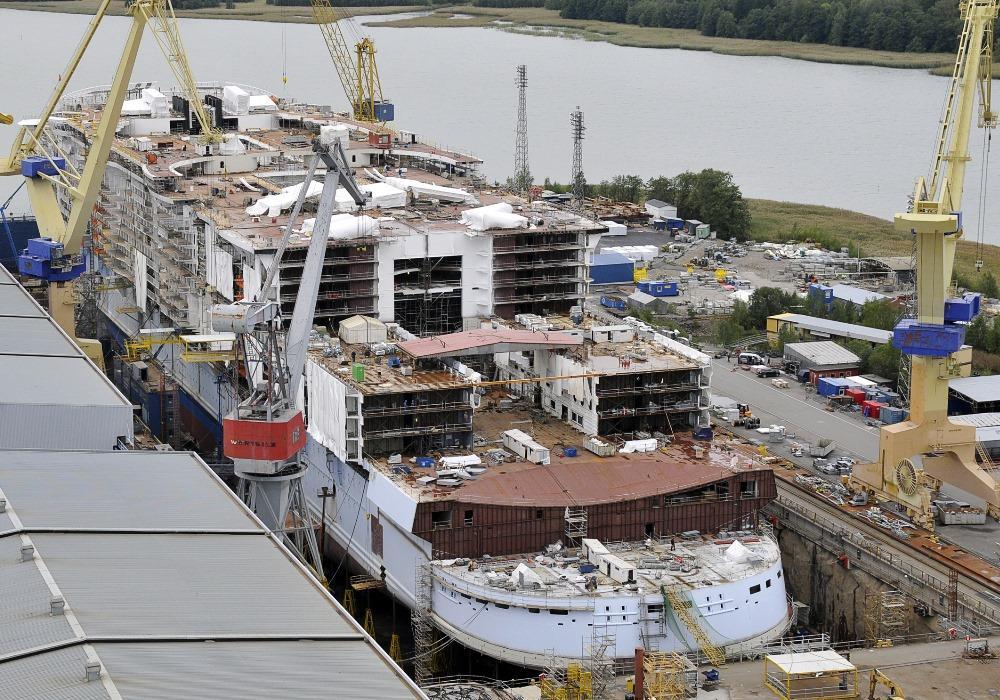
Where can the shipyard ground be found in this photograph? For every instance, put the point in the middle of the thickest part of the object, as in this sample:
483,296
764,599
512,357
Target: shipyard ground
925,671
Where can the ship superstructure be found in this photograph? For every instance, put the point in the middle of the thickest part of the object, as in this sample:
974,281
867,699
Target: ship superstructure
460,401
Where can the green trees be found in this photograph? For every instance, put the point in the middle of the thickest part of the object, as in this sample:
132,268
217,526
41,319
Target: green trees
710,196
768,301
891,25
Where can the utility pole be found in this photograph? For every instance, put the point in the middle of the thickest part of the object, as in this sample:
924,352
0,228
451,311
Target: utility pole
578,180
522,173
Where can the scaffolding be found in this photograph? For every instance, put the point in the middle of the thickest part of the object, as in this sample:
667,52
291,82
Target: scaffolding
885,617
600,661
424,658
666,676
682,608
576,525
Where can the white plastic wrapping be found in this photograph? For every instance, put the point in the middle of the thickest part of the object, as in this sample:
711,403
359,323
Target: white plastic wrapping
423,189
140,276
493,216
274,204
327,409
383,196
344,226
235,99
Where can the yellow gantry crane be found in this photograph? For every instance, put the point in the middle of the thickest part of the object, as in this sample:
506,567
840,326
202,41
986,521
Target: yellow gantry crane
55,256
920,454
357,69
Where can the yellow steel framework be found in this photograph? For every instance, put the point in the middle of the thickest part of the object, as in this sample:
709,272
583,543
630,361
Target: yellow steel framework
682,608
357,69
84,186
664,676
6,118
918,455
576,685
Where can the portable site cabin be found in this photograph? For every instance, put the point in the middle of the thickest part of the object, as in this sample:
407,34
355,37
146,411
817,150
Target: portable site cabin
525,447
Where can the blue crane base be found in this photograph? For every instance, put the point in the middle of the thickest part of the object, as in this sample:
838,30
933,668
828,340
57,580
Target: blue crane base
927,339
45,259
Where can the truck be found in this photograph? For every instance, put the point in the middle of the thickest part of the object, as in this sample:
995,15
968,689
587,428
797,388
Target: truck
821,448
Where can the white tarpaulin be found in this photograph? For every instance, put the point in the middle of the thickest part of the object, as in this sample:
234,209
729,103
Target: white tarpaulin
460,461
639,446
500,215
327,409
140,276
210,255
274,204
261,103
423,189
383,196
251,282
524,577
234,99
224,274
157,102
344,226
738,553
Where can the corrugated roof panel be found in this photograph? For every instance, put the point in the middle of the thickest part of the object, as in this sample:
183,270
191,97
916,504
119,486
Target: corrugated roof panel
824,352
847,330
65,381
324,670
169,585
14,301
167,490
977,388
979,420
34,336
55,675
25,622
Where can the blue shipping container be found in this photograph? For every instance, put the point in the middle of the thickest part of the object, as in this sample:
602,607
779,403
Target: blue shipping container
611,268
385,111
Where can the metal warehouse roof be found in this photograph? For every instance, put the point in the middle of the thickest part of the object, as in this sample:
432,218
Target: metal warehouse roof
823,352
987,425
978,389
169,583
51,395
21,335
837,328
14,301
855,295
48,381
611,258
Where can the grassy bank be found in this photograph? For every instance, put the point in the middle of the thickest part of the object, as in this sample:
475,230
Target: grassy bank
836,228
253,10
531,20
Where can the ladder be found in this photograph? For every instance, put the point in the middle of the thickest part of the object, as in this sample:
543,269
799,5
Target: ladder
682,608
984,457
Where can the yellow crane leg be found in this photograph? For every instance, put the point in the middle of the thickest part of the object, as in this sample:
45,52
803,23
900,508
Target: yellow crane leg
90,186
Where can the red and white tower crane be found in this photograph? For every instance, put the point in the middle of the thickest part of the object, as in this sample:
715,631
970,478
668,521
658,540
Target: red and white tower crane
266,432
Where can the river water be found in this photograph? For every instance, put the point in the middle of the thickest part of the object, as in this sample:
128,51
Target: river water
847,136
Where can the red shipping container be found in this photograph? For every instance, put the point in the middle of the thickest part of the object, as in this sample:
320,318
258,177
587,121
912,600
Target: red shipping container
858,395
872,408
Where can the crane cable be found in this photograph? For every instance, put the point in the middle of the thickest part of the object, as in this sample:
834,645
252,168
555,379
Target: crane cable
983,184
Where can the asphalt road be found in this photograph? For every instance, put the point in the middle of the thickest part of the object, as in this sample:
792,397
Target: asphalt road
807,418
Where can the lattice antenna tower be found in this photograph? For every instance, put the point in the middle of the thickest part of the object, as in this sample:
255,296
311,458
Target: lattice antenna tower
522,173
579,181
